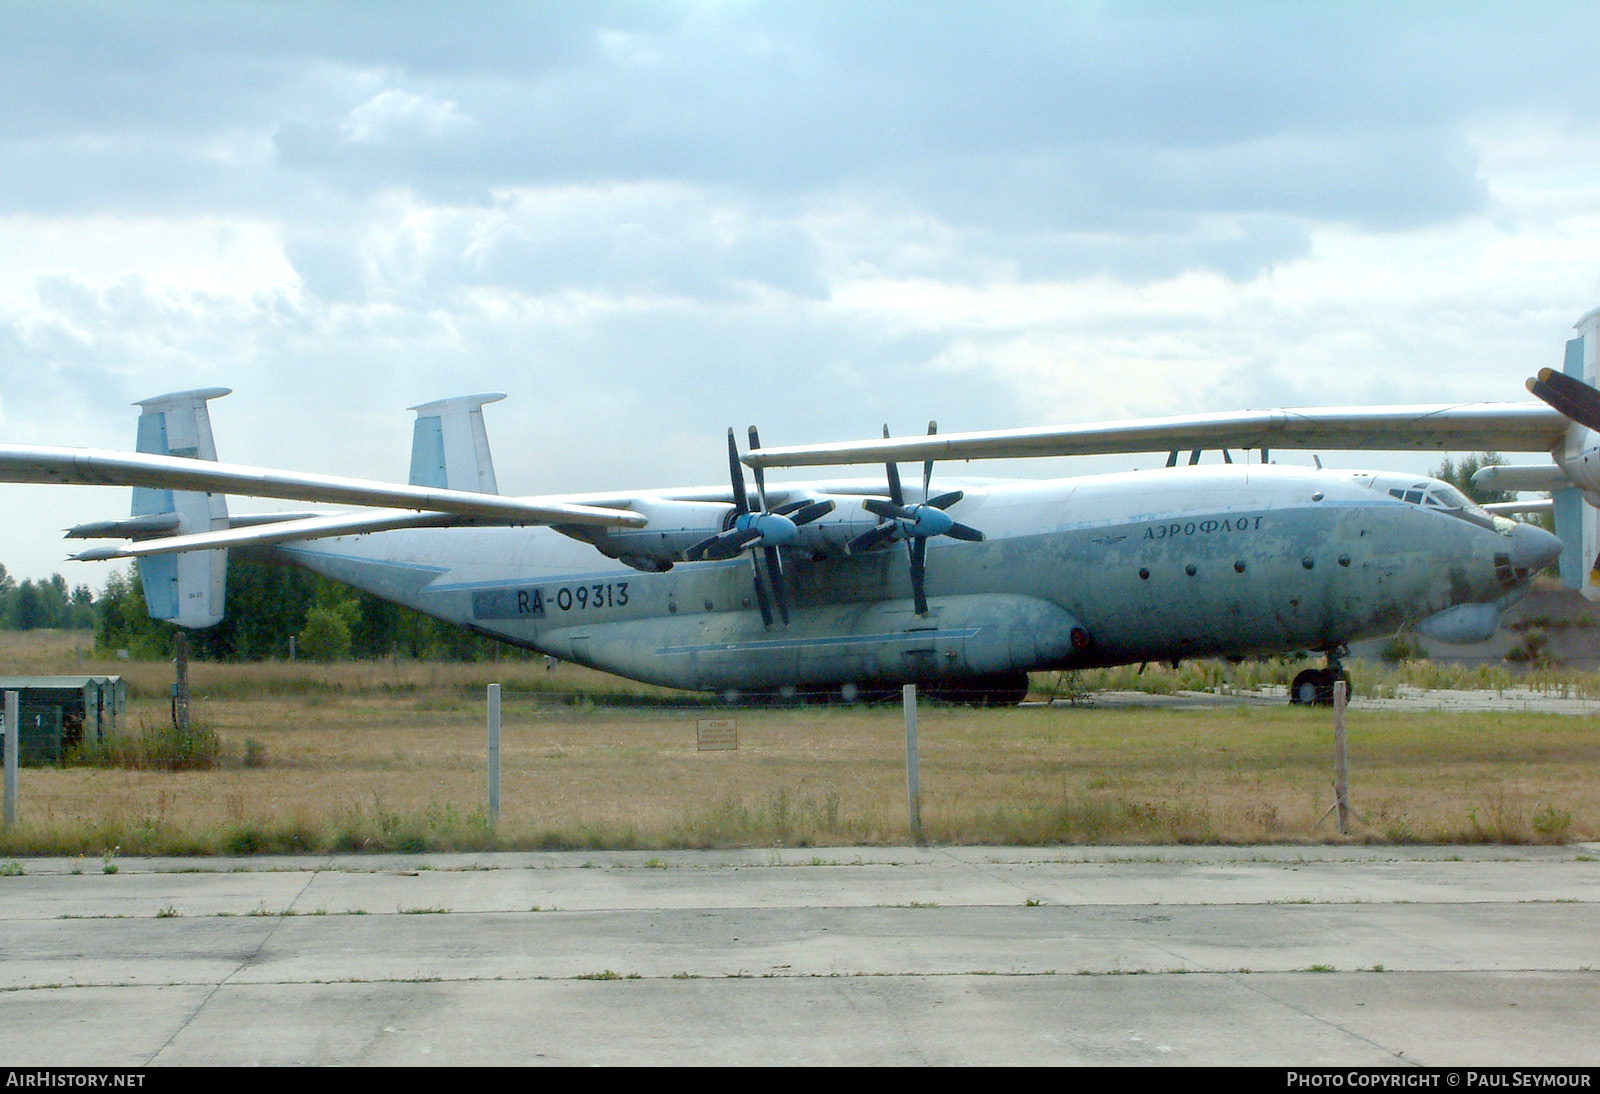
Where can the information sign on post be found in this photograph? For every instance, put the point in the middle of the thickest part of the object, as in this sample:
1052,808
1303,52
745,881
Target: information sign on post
716,734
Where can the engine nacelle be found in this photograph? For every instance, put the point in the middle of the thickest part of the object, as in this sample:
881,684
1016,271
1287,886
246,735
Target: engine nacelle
826,538
674,527
1583,468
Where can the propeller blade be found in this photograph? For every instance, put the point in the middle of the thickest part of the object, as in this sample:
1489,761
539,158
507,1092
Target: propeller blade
868,541
927,466
1571,396
888,510
779,589
896,495
919,567
723,545
804,512
762,601
784,528
945,501
741,503
761,476
966,532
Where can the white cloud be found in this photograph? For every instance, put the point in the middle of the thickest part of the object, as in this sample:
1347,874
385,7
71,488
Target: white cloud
649,223
397,115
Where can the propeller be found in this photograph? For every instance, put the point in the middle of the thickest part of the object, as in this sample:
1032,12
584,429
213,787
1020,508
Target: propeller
915,524
1571,396
765,528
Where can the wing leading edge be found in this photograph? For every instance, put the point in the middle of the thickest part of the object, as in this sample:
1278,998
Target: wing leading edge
1507,427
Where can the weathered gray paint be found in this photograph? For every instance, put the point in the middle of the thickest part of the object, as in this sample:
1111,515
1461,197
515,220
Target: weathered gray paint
1282,559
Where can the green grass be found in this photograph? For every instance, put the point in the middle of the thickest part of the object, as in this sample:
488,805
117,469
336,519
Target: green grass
387,757
1368,679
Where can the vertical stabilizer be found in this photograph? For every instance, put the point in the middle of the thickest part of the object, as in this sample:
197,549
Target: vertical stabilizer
189,588
1578,523
450,447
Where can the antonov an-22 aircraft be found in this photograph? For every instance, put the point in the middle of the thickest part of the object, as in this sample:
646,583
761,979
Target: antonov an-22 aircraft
851,586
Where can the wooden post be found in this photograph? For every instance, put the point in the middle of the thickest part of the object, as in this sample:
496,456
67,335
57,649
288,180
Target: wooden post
180,689
1341,775
494,754
908,697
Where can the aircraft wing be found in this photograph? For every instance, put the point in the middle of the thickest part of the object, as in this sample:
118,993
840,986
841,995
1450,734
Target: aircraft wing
1507,427
96,467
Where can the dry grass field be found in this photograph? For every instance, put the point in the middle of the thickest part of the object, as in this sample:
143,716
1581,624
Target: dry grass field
390,755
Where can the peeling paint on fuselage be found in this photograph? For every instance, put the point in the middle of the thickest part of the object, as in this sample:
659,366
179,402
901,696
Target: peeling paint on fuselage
1157,565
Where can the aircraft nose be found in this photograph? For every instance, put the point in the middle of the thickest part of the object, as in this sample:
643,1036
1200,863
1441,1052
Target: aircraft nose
1532,549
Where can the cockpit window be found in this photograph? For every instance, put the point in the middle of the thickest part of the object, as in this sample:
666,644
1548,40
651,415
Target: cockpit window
1443,496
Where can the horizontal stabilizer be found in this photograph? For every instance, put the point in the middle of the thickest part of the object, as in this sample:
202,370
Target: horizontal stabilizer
162,524
87,466
141,527
309,526
1534,505
255,520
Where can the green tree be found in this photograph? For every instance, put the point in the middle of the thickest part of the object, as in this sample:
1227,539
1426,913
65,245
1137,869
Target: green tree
326,635
1460,475
80,611
122,621
28,608
36,604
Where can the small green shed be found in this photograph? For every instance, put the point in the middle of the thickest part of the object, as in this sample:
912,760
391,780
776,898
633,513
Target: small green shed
59,712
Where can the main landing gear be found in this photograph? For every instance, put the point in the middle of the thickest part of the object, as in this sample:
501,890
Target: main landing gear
1314,687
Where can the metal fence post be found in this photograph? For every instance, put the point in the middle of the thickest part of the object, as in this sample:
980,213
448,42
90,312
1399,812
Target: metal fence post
494,754
1341,774
13,744
908,695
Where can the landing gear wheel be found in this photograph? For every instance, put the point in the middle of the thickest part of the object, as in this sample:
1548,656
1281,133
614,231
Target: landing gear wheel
1314,687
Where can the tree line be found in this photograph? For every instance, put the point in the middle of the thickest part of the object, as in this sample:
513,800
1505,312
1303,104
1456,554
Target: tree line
35,605
267,603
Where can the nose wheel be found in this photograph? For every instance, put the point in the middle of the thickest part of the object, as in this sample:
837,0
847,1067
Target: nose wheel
1314,687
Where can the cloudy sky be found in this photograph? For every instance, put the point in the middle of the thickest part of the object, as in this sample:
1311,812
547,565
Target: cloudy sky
649,221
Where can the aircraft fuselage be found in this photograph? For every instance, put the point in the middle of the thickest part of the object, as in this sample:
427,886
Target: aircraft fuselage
1234,560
